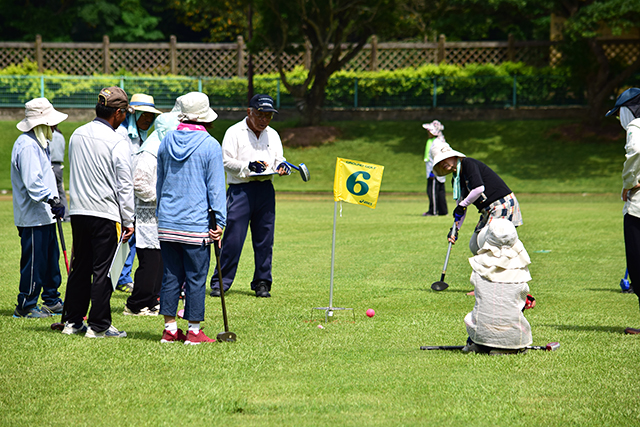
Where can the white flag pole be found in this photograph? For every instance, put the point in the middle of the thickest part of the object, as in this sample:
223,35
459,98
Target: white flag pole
328,311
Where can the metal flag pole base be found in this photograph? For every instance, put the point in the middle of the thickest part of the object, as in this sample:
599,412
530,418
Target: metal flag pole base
328,312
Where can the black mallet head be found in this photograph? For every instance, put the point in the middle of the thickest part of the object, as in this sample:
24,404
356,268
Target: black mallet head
226,336
439,286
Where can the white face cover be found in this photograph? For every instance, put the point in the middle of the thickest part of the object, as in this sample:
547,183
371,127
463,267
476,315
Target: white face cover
43,135
626,116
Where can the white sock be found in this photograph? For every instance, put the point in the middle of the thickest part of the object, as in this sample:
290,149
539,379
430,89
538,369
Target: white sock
171,327
194,327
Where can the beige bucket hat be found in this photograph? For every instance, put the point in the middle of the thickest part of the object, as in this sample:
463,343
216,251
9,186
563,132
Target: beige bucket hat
142,102
442,151
194,106
39,111
502,256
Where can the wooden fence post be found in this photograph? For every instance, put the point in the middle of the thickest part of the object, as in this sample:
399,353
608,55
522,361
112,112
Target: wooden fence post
441,49
39,53
511,49
240,56
106,56
173,55
373,63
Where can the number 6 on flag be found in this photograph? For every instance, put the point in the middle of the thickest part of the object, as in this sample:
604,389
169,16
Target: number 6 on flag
357,182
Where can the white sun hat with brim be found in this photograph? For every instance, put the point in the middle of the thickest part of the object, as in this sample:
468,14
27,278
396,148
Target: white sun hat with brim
443,151
39,111
145,103
194,107
435,127
502,256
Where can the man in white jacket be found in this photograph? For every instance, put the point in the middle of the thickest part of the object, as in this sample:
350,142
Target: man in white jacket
101,193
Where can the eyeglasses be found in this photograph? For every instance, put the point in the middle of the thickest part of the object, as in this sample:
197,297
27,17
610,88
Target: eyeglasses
263,115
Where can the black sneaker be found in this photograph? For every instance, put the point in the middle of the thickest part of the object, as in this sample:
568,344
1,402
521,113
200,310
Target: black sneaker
215,292
262,290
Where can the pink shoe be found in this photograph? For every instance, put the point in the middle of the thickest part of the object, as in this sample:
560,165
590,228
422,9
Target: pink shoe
169,337
198,338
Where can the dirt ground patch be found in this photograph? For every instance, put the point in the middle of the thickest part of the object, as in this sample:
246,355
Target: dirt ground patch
309,136
575,132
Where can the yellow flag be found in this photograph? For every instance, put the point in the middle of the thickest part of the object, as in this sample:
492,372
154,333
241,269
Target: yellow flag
357,182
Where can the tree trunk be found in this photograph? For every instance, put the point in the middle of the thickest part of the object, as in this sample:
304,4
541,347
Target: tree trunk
311,107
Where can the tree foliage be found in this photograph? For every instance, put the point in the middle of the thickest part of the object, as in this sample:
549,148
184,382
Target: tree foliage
335,30
582,47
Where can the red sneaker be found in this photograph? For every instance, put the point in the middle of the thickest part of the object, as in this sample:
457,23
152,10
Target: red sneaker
169,337
198,338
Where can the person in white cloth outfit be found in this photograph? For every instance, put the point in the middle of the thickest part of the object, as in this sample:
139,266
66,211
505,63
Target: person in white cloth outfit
500,275
143,301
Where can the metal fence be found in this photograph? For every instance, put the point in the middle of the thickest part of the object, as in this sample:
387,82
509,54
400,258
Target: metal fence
342,92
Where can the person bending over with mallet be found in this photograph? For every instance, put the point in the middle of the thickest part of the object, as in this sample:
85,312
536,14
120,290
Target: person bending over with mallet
475,183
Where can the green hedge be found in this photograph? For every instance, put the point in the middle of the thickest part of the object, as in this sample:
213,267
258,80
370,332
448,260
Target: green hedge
469,85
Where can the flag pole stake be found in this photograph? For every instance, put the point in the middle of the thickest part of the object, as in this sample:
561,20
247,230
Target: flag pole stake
328,311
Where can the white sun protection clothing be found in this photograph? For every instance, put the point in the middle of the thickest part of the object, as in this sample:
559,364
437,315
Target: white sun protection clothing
631,170
497,319
500,276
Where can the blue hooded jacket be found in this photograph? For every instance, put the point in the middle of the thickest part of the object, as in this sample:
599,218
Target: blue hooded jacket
190,181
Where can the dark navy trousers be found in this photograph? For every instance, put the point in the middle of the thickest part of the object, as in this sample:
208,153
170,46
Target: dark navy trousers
39,266
248,205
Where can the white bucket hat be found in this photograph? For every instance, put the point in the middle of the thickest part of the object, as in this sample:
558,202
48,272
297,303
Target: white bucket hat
435,127
443,151
142,102
39,111
194,106
502,256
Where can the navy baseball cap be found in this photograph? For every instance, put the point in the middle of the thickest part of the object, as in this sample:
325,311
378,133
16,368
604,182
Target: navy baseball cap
262,102
629,98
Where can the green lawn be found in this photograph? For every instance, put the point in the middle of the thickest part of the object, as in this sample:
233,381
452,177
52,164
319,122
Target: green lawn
284,370
531,156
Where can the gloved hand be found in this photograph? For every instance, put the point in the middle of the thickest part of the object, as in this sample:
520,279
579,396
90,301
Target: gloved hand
458,213
431,175
285,166
529,303
455,235
57,208
258,166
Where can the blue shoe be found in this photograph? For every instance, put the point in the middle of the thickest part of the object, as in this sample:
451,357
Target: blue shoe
30,313
53,310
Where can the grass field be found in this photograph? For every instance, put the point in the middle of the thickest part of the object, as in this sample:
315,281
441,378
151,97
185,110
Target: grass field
284,370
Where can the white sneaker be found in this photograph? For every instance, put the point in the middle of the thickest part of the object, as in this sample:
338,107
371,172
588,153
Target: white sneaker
144,312
70,328
112,332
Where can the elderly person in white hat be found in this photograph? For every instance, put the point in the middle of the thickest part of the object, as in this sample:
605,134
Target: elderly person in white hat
435,184
475,183
190,193
135,129
36,206
143,301
500,275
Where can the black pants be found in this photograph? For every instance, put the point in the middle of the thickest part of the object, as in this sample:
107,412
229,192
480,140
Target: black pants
437,197
94,244
148,279
632,249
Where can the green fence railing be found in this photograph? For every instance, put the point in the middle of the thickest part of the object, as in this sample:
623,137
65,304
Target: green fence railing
341,92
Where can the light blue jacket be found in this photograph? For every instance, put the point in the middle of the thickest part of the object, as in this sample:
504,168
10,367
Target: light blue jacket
33,182
190,181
